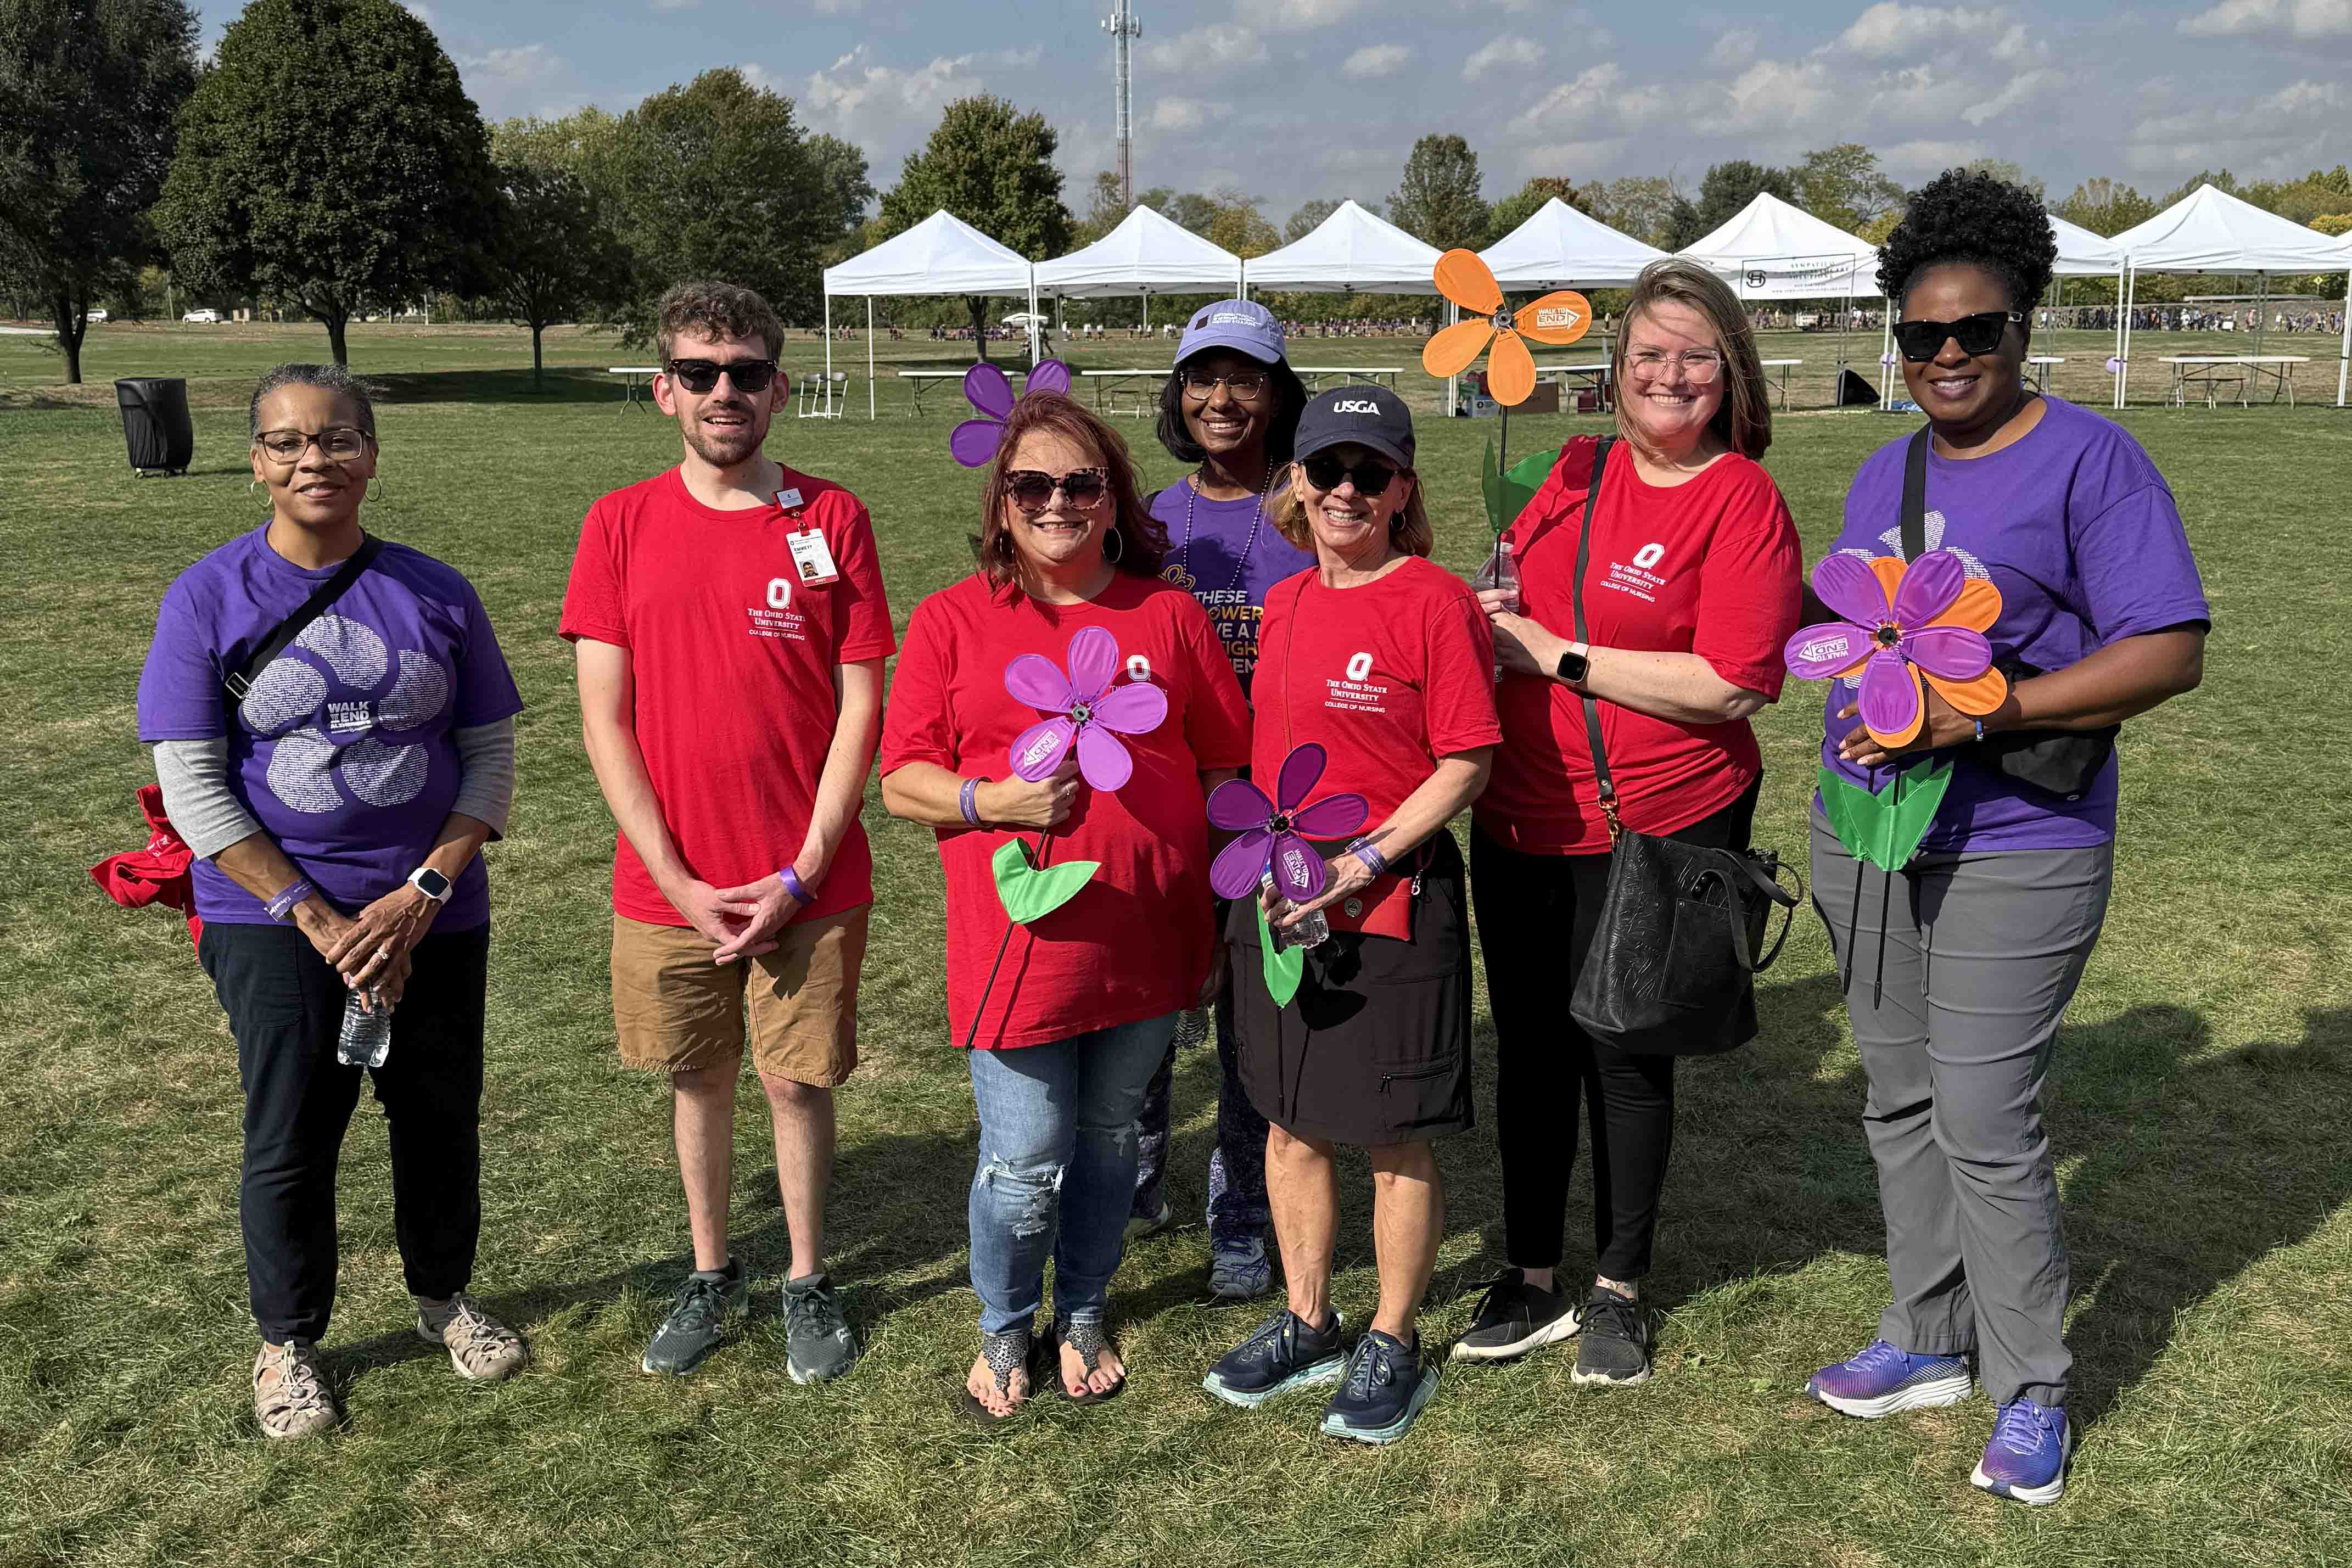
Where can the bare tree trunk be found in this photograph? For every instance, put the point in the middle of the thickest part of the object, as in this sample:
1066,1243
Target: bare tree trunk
978,304
72,323
536,381
337,320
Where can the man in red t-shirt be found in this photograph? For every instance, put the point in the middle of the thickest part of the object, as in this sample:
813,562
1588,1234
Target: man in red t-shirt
730,628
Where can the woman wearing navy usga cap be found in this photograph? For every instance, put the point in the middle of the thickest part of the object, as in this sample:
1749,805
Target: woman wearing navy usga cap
1230,406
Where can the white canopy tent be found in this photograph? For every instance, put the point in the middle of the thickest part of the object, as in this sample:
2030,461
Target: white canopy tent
1771,250
2344,350
2082,254
1560,247
940,255
1149,253
2209,230
1349,252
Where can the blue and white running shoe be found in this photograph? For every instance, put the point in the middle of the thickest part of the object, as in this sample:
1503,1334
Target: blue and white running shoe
1880,1380
2027,1458
1282,1353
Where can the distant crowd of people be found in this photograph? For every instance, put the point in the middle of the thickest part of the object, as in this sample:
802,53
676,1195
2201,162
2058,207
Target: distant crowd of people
2190,319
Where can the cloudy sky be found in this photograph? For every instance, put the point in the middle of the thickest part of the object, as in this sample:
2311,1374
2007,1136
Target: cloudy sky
1291,99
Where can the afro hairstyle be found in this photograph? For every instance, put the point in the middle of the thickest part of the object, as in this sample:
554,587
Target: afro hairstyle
1966,217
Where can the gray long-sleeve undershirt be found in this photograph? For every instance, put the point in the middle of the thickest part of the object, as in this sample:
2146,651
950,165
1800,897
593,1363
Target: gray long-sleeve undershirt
209,817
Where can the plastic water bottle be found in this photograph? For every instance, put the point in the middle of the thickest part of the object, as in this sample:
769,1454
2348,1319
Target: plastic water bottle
1312,931
366,1037
1502,573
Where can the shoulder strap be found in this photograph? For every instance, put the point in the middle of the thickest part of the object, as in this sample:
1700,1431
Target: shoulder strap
1915,497
239,679
1576,602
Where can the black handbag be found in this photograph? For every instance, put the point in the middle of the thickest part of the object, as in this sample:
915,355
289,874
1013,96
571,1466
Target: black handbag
1673,966
2063,762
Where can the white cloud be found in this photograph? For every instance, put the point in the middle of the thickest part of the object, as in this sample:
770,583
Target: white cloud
1507,50
1377,59
1889,29
1734,49
1293,16
885,111
1587,102
1219,44
672,4
1178,115
2298,18
836,7
423,14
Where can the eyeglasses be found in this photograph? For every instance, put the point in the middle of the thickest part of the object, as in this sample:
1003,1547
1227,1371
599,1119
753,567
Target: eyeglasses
1243,385
1700,367
339,443
1033,491
700,375
1979,334
1371,478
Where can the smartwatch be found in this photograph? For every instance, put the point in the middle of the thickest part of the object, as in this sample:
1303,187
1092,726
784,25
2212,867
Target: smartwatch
431,883
1574,664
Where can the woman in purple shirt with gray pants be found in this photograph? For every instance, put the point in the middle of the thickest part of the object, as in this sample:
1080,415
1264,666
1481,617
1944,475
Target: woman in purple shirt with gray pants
1957,966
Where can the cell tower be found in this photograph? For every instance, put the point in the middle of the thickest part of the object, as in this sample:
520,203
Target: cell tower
1124,28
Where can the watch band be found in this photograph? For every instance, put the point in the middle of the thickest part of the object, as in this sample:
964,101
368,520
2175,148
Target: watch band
423,879
1575,664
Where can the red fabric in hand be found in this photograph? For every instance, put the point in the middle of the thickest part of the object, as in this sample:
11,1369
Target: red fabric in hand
157,874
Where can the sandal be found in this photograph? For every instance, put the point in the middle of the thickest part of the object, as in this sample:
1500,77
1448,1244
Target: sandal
1084,1335
1015,1348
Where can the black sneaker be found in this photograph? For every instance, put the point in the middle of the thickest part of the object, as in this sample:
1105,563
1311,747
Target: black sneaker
818,1346
1282,1353
1382,1393
1615,1345
1516,1318
698,1319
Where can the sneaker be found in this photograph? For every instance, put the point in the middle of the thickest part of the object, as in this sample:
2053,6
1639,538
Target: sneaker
289,1397
1879,1380
1516,1318
1143,1224
482,1349
818,1346
2026,1459
1614,1346
1192,1028
697,1319
1381,1395
1282,1353
1239,1268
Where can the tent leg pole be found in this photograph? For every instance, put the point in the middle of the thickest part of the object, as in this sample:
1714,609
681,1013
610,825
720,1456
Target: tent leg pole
2344,353
870,415
828,340
2122,369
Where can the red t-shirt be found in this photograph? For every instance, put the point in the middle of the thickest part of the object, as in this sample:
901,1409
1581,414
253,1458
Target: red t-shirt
1709,567
1134,944
734,657
1388,676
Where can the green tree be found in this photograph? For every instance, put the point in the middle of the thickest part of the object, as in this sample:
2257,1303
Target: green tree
582,141
1641,205
557,258
2002,169
718,179
331,158
1529,200
1438,200
1238,225
1844,185
88,91
1728,187
1105,210
992,166
2105,207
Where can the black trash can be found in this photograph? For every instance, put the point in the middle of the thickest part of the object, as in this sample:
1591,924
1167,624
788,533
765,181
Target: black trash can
156,423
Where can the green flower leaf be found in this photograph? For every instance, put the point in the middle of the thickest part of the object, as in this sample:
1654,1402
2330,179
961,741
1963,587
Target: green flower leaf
1284,970
1029,893
1884,827
1507,494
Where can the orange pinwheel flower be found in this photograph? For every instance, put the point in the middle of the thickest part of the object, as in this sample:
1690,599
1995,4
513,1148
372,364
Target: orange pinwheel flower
1558,319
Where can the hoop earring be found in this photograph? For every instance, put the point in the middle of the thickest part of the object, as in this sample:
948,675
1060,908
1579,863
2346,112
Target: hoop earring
254,488
1114,537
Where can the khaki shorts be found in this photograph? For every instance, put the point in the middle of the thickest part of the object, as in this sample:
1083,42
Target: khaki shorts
797,1006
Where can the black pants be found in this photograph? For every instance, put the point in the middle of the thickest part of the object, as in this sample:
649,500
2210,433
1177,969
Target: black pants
285,1004
1528,905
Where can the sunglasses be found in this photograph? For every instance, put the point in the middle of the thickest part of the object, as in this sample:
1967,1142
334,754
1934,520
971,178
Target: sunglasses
1979,334
1033,491
1243,385
1371,478
700,375
340,443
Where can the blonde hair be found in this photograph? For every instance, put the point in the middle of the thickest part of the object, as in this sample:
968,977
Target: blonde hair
1744,421
1408,527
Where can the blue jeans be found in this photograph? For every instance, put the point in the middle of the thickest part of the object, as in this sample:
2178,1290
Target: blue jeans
1057,1171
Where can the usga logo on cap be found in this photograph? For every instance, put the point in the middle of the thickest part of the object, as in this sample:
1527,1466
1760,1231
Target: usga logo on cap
1356,405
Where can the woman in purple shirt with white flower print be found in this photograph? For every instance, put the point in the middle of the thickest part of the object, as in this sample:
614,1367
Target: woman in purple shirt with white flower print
1958,965
1231,406
337,797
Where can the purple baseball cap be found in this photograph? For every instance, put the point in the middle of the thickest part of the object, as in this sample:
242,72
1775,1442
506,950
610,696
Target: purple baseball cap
1243,326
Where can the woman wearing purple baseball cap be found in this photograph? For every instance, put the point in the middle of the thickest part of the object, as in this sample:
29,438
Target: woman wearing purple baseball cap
1231,406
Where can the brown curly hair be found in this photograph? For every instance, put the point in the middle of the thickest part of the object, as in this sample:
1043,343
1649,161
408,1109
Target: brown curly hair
1143,539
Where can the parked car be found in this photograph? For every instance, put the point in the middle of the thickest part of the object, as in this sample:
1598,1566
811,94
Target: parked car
93,316
206,315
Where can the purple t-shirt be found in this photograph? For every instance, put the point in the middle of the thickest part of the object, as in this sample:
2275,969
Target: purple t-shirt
2079,532
1227,556
345,754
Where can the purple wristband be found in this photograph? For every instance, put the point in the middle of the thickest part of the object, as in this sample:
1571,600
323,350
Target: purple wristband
968,801
281,908
1366,851
793,888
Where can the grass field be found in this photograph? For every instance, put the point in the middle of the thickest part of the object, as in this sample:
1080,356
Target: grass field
2201,1109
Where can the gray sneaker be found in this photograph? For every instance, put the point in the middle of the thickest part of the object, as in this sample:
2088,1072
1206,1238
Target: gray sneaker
1239,1269
818,1346
698,1319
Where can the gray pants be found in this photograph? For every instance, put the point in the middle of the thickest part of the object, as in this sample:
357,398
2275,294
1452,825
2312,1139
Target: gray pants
1954,978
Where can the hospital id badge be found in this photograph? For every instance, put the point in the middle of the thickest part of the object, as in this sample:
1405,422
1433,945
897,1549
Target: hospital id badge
813,559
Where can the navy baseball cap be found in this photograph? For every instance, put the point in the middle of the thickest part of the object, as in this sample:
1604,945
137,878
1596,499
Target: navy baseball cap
1243,326
1369,415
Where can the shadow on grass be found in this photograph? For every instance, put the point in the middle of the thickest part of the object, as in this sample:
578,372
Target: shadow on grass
564,383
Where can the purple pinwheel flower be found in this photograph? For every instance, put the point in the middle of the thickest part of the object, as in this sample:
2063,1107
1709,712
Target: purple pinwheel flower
1087,709
1933,618
975,441
1274,832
